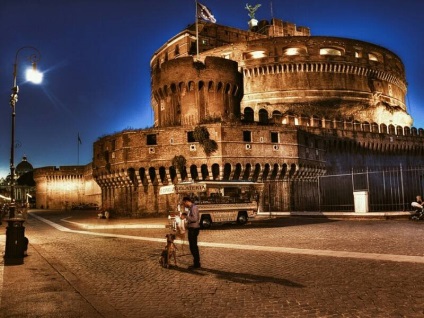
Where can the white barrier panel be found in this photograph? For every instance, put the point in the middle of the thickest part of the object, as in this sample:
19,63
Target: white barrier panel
360,199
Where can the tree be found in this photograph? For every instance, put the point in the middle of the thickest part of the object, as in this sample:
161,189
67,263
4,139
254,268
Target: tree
201,135
179,162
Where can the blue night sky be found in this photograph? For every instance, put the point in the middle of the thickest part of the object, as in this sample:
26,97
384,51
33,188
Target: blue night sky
95,57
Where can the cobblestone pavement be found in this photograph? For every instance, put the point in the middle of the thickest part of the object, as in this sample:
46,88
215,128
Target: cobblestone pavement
116,273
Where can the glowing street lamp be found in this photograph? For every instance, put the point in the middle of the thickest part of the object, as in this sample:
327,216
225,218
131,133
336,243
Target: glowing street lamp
34,76
16,242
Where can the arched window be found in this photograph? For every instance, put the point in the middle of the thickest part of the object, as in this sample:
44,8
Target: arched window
182,86
143,177
283,171
290,51
219,87
263,116
193,172
274,172
211,86
277,117
330,51
255,55
201,85
227,88
256,172
304,120
383,128
366,126
316,121
292,169
162,175
374,57
246,173
205,172
215,171
266,172
414,131
173,174
357,125
152,175
374,128
131,176
237,172
183,173
227,172
248,115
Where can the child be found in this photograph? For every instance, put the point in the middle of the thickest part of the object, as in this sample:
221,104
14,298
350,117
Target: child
181,223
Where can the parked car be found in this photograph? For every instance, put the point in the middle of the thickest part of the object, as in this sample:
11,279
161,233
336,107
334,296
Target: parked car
86,206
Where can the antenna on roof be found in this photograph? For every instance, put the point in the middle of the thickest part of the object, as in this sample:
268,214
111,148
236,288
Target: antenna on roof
272,12
272,18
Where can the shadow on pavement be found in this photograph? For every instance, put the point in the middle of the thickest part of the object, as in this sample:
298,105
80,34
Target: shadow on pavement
13,261
272,223
241,278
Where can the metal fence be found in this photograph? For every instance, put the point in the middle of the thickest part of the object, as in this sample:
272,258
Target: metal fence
390,189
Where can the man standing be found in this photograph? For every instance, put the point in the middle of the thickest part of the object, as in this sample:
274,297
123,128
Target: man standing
193,224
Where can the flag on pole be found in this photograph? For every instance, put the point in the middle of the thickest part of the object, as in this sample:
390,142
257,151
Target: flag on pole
204,13
79,140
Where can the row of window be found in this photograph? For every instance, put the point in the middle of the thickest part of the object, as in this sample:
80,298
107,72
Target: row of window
293,51
151,139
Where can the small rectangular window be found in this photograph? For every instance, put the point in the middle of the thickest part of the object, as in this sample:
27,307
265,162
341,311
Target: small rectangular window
151,140
274,137
113,145
190,136
247,136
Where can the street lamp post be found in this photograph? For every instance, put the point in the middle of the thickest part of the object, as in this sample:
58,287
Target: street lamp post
35,77
16,243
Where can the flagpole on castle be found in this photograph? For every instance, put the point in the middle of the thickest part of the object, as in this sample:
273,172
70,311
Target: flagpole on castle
197,33
203,13
79,143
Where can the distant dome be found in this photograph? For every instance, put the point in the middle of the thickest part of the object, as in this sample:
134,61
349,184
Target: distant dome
23,167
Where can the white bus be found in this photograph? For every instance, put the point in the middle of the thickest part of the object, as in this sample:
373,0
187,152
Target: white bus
223,201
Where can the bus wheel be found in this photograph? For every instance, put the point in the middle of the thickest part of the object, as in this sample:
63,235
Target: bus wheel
242,218
205,222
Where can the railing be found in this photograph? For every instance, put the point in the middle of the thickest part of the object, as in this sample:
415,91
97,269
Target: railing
390,189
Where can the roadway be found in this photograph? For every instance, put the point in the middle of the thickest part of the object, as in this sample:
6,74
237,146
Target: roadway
80,266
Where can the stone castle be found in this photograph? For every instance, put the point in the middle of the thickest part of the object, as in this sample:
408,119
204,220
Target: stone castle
270,103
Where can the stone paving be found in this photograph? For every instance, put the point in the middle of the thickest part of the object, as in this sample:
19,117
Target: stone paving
113,273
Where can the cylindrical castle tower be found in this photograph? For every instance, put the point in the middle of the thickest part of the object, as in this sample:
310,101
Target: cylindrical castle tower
323,76
188,92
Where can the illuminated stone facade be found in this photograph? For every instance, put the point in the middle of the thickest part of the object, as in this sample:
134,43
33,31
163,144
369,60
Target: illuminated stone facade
66,186
279,104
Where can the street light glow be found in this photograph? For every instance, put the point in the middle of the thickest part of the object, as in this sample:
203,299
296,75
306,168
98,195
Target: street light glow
33,75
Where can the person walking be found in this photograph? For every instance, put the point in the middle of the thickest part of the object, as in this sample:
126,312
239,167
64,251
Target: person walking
193,224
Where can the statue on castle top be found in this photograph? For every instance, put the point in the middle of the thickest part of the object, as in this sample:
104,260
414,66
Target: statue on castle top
252,9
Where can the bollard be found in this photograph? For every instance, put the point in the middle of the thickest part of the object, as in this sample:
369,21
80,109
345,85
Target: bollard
16,244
